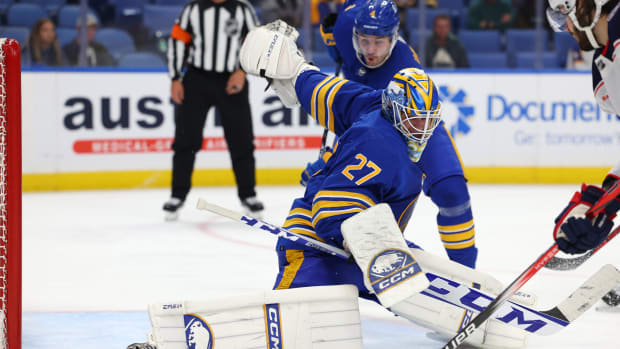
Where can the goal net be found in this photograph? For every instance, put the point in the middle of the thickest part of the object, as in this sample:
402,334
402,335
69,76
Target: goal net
10,194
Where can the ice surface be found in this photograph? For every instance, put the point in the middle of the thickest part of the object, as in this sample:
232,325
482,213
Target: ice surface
94,260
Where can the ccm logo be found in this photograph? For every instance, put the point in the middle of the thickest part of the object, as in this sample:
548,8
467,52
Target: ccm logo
274,329
397,277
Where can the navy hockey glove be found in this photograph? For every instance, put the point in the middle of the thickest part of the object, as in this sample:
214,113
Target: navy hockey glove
314,167
327,33
576,233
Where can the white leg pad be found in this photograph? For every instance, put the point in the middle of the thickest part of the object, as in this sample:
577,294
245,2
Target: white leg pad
446,320
377,244
305,318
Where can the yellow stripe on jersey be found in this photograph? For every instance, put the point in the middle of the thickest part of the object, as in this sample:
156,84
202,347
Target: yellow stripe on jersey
403,225
321,214
307,232
346,195
324,107
313,101
330,103
295,258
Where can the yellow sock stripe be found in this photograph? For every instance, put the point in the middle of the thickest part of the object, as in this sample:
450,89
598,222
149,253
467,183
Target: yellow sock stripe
294,258
460,246
456,227
458,237
314,99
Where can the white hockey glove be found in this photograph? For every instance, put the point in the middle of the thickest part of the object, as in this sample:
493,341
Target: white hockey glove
272,53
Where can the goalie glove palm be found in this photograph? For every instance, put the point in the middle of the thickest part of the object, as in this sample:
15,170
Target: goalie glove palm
575,232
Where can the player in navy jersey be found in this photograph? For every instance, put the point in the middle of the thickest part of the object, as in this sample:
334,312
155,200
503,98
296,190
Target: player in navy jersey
595,25
364,38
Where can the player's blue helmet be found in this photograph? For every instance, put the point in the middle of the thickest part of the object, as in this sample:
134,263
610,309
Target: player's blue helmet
411,102
376,18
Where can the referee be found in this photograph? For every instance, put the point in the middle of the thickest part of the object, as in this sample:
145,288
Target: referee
205,39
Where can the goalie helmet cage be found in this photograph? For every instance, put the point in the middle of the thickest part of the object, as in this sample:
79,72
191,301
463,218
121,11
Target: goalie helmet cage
10,194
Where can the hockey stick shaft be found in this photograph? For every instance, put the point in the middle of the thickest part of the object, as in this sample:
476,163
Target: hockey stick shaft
527,274
281,232
611,194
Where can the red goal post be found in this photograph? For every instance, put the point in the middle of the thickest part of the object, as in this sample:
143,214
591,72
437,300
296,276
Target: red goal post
10,194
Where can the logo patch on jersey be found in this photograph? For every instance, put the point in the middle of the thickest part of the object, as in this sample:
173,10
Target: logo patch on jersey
198,334
231,27
361,71
273,326
391,267
457,111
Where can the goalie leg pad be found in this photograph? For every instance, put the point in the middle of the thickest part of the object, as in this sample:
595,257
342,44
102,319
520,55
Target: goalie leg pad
305,318
390,271
446,320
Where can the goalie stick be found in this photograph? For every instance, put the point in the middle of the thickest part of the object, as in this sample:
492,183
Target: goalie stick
534,321
559,263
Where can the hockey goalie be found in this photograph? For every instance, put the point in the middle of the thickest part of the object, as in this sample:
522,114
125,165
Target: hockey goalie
358,204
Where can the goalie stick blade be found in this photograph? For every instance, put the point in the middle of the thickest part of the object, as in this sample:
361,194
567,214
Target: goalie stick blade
563,264
587,294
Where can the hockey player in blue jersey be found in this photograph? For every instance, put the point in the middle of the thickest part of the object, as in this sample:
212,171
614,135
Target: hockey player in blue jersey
595,25
364,37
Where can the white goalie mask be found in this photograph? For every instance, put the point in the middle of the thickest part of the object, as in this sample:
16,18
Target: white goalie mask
560,10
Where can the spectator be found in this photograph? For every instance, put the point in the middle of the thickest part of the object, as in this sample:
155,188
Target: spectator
42,47
444,49
490,14
402,13
96,53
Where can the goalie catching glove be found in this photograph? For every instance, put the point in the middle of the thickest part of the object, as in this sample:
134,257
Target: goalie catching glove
270,51
575,232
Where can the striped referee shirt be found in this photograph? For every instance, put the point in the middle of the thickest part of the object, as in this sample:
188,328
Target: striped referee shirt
208,36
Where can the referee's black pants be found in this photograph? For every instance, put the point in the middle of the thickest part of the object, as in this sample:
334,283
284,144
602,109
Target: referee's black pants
202,91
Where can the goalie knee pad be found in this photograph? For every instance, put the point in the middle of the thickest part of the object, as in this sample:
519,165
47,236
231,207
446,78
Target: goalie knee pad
446,320
308,318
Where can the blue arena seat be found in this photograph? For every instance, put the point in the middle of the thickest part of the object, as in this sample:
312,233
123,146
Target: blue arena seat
51,6
454,6
129,12
159,18
117,41
65,35
492,60
526,60
18,33
68,15
481,40
562,42
413,17
141,60
4,5
523,40
24,15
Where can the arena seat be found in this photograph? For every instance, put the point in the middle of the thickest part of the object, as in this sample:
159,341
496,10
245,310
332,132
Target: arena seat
24,15
493,60
141,60
481,40
68,15
18,33
117,41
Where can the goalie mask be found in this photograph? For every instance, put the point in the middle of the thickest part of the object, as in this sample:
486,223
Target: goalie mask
560,10
375,32
411,103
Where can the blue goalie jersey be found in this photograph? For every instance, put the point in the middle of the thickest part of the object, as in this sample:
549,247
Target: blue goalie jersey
369,165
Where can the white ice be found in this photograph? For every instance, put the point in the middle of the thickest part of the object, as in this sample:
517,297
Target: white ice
94,260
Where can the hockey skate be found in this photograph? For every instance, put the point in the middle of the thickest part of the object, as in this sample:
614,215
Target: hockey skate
252,206
610,302
171,208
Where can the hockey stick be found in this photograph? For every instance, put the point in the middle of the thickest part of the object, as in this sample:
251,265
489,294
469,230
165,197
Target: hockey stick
531,320
527,274
559,263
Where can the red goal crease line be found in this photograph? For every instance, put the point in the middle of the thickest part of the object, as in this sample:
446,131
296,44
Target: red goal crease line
161,145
